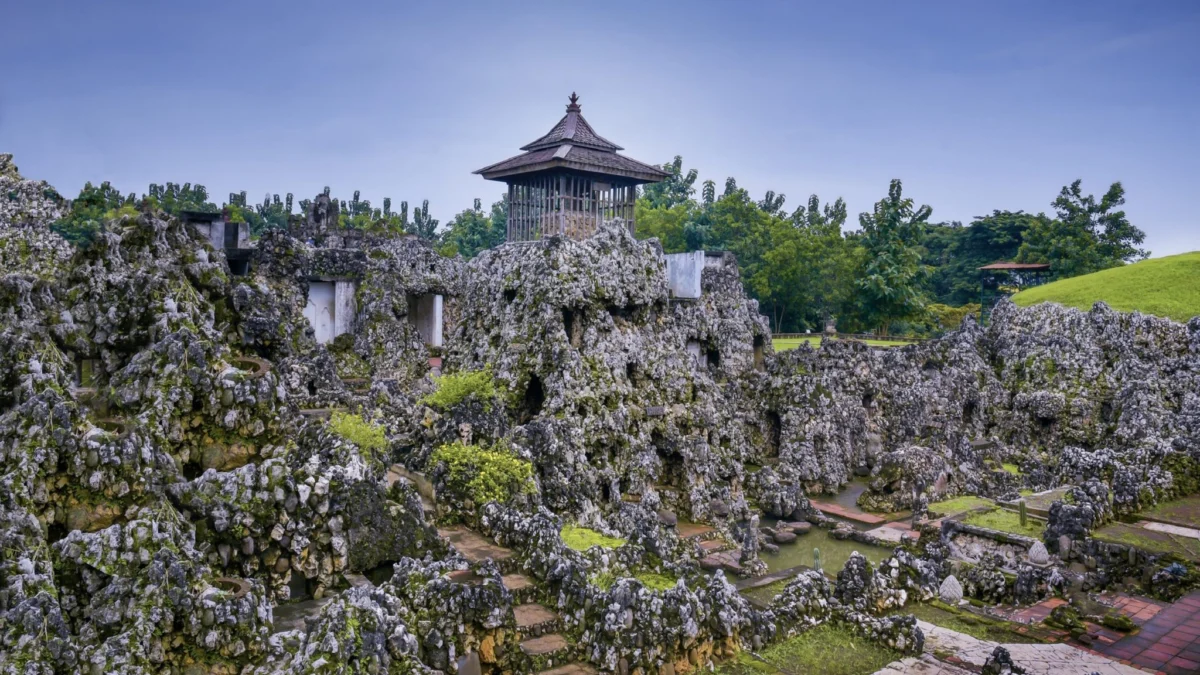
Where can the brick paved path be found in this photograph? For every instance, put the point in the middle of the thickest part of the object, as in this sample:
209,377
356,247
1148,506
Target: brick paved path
1168,642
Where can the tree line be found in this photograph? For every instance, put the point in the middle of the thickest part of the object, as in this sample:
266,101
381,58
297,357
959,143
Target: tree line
896,273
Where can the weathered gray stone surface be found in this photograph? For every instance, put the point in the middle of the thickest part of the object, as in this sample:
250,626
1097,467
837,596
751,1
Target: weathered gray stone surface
155,518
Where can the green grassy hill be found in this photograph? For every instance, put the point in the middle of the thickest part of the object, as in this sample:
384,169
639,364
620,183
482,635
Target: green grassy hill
1168,287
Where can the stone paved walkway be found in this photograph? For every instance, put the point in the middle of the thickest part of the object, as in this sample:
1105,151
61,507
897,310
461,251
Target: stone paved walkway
840,511
1138,609
925,665
1167,642
1036,659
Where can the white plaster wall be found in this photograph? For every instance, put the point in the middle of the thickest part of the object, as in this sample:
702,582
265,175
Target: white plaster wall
683,273
216,234
696,351
320,310
427,317
344,307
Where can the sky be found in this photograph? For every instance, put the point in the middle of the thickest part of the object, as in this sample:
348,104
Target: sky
976,106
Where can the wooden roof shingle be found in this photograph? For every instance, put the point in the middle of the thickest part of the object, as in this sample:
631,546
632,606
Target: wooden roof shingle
574,144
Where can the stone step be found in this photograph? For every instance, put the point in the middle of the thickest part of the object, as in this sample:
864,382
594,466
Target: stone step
357,580
476,548
545,645
522,587
571,669
535,620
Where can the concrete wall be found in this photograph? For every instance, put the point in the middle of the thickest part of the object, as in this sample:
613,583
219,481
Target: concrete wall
683,273
320,309
344,307
425,313
331,308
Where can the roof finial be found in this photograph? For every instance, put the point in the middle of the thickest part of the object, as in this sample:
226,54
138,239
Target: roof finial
574,106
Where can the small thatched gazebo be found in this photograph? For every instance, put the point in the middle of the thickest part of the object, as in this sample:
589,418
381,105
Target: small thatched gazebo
569,181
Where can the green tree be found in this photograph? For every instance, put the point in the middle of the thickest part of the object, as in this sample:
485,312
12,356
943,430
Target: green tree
423,225
675,190
1087,236
891,280
955,253
175,198
473,231
90,211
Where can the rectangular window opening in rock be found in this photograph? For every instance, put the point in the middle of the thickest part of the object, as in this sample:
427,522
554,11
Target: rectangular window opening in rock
760,359
87,372
330,309
425,315
239,268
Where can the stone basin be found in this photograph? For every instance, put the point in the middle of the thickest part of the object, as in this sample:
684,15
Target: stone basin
235,587
252,366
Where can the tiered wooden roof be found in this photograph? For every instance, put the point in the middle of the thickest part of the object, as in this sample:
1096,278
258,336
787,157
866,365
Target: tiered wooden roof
574,144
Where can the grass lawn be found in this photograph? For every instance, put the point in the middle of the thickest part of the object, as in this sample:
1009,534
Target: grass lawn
784,344
1006,521
1185,511
581,538
957,505
828,650
1149,540
1160,286
983,628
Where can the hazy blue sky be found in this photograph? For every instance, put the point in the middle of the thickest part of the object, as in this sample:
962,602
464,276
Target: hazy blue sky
976,106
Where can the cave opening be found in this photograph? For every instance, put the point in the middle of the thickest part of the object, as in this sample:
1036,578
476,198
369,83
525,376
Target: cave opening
572,326
239,268
674,473
714,356
625,312
509,296
535,397
631,370
868,398
774,436
969,409
759,356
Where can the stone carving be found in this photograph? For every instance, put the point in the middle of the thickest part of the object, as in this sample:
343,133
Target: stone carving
1038,555
950,592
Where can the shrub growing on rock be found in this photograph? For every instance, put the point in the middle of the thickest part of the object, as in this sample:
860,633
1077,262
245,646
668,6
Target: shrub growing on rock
455,388
366,435
483,476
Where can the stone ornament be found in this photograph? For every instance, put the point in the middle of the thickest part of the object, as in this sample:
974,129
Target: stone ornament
950,592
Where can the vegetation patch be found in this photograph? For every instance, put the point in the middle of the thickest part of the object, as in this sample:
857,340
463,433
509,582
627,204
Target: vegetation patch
1006,521
784,344
582,538
1163,287
955,619
746,664
651,580
829,650
493,475
962,504
366,435
454,388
